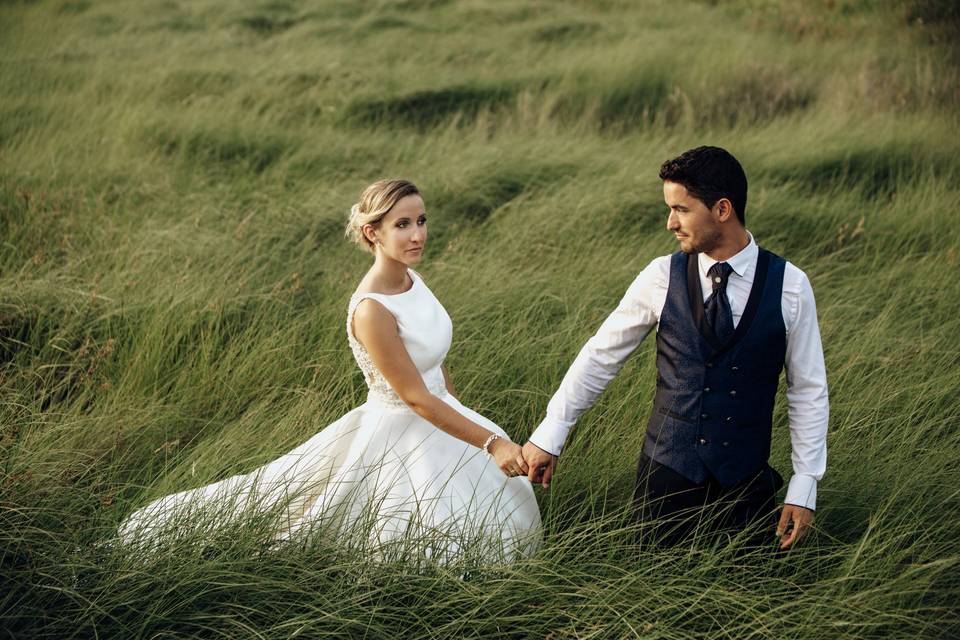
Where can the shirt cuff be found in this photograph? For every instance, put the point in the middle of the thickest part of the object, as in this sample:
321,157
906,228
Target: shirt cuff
550,436
802,491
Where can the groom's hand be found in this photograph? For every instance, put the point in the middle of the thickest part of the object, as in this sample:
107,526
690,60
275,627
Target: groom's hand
541,464
795,523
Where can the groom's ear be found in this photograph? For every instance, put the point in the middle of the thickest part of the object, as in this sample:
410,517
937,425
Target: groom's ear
724,210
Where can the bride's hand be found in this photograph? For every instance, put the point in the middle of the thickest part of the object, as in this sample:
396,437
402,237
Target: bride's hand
509,457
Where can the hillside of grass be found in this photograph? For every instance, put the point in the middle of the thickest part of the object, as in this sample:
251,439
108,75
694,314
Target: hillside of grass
174,181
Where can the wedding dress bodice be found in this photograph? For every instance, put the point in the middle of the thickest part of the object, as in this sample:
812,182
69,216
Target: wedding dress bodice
425,330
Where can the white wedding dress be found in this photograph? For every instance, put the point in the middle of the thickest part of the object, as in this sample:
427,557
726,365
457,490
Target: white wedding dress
381,476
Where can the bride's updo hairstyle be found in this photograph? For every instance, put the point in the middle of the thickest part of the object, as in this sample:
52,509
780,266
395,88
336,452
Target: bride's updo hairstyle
376,202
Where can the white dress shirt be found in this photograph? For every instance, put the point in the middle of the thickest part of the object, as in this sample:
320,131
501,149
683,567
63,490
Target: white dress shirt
621,333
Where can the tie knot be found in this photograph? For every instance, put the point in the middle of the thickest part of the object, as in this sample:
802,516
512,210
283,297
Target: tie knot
718,274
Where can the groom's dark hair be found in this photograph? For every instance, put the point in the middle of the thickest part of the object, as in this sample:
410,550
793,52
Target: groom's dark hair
709,173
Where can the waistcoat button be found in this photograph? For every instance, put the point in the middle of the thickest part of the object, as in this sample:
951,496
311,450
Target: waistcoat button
704,416
702,441
733,392
706,389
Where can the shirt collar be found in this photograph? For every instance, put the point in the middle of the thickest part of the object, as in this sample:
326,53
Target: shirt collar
740,262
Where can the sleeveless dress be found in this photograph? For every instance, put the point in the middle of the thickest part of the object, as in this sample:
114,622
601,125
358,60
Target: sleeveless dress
380,477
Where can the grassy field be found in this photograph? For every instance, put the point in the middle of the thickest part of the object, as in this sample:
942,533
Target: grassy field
174,179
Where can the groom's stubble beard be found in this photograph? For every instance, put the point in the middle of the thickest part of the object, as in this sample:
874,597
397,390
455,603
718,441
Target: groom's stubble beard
709,241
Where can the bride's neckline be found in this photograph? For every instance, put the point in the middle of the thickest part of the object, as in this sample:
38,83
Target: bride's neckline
413,286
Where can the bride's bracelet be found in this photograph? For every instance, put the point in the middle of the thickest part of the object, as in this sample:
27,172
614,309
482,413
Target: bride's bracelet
486,445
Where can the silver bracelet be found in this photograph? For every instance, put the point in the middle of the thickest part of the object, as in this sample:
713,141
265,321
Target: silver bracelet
486,445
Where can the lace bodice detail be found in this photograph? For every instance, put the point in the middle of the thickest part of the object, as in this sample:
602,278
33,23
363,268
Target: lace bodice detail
425,330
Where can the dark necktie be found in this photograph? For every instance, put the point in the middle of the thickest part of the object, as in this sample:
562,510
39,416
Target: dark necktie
717,306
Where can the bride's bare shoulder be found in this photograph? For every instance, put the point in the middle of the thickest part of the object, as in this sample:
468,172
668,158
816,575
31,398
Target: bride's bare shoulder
366,285
372,284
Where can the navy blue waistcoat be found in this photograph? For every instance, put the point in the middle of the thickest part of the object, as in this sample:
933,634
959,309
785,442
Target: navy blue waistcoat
713,411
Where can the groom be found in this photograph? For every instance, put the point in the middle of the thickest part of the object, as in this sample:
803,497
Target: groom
729,317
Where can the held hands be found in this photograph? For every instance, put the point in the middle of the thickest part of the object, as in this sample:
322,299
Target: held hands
795,522
508,456
541,464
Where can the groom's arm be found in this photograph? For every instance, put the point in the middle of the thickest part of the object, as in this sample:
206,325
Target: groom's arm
808,405
602,357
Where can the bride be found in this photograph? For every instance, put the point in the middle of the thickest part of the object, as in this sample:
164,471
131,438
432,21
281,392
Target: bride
410,472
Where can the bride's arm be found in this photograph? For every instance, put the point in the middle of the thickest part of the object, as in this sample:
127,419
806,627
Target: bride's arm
377,331
448,382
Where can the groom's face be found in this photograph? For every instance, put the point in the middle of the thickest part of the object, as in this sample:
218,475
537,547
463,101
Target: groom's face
691,221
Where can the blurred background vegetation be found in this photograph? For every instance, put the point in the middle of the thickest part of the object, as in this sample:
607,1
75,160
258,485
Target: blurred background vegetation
174,180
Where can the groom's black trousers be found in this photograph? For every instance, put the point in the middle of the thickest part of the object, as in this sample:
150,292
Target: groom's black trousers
677,508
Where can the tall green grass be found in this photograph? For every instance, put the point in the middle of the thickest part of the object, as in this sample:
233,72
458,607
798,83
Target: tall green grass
174,179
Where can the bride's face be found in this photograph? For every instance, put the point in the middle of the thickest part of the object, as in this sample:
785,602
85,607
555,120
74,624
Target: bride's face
402,233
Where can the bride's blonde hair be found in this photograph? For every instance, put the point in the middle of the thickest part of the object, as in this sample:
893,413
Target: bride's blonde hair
376,202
